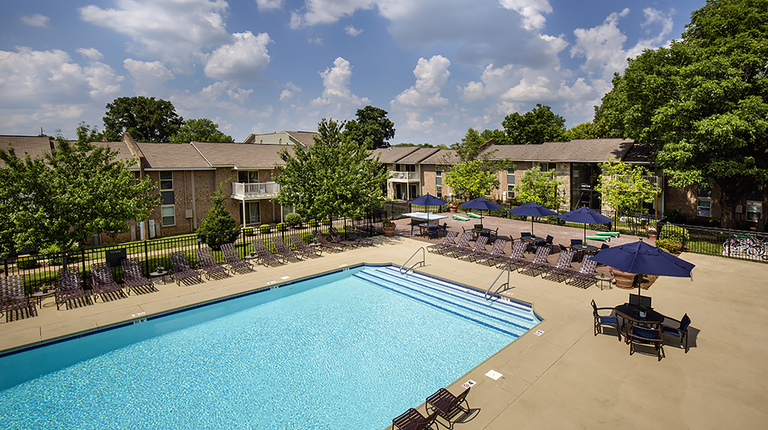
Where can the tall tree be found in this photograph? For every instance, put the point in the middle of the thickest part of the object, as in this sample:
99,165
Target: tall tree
200,130
537,126
372,128
703,101
76,190
624,187
497,135
540,187
333,177
147,119
475,175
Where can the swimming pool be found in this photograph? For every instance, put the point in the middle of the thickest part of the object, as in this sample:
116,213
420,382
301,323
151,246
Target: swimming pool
352,349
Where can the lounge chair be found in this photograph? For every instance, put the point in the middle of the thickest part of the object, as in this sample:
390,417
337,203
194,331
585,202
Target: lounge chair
600,320
497,251
459,217
263,256
103,283
133,278
336,238
447,405
648,334
234,262
282,250
325,244
539,261
461,246
207,264
413,420
182,272
516,257
307,251
680,331
474,215
562,267
479,248
69,289
448,242
13,296
586,272
367,241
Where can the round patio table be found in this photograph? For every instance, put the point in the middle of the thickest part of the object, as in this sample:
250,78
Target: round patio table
632,313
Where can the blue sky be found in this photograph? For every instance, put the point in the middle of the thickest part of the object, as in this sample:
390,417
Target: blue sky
438,67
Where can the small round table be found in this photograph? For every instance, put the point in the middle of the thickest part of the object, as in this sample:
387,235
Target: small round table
159,274
602,279
39,296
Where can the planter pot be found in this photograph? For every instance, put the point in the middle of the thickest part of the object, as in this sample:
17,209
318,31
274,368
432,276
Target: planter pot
642,314
624,280
389,231
453,210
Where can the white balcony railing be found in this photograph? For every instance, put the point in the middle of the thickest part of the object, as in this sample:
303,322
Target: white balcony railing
254,190
404,176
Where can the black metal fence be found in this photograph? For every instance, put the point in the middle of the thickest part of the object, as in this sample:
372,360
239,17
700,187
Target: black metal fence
41,269
718,241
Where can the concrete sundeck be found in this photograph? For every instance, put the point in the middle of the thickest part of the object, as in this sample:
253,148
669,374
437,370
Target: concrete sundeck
562,378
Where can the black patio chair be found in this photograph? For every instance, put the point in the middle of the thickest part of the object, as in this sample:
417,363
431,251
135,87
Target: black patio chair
605,320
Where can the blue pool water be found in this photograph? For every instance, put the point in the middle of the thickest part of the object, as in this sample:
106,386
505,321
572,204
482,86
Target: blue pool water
347,350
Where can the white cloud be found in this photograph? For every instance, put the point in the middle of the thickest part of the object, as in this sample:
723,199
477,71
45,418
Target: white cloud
36,20
241,61
326,11
315,41
265,5
532,11
224,99
92,54
529,90
352,31
431,75
162,29
337,98
288,93
148,77
602,46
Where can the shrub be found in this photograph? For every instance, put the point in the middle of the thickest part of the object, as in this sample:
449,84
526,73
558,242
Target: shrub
218,226
313,223
327,221
674,216
248,231
293,219
265,228
669,245
53,252
26,262
281,227
714,223
676,233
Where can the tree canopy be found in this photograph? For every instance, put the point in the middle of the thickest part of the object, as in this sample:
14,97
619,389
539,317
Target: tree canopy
537,126
200,130
539,187
469,180
76,190
333,177
702,101
147,119
624,188
371,128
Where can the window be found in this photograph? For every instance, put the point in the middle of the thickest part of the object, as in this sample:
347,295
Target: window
546,167
252,213
439,191
704,202
168,203
248,176
510,181
438,171
405,167
754,210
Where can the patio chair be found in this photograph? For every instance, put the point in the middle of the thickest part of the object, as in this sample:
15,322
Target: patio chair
182,272
448,242
461,246
561,268
516,257
605,320
69,289
497,251
103,284
585,274
638,300
479,248
308,251
647,334
525,235
234,262
336,238
13,296
263,256
325,244
432,231
367,241
415,226
208,265
539,261
282,250
447,405
575,242
680,331
413,420
134,279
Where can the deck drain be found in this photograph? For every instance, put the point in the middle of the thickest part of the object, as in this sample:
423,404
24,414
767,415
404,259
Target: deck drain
494,375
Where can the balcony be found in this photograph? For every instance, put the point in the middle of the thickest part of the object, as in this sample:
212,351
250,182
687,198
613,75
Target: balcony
254,190
403,177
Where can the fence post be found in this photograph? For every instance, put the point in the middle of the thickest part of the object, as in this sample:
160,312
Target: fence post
146,258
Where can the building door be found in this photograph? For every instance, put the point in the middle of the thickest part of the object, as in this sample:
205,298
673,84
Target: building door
252,213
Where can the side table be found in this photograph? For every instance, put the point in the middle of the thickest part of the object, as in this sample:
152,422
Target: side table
602,279
39,296
160,274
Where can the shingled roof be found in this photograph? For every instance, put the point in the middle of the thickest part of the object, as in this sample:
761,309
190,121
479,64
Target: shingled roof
393,154
34,146
235,155
580,151
172,156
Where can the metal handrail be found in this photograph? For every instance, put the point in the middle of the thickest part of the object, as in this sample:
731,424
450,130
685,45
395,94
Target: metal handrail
422,262
506,268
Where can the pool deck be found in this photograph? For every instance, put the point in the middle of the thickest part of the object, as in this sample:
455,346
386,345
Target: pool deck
563,378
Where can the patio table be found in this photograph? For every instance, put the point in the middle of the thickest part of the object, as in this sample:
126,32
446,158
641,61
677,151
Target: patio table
629,312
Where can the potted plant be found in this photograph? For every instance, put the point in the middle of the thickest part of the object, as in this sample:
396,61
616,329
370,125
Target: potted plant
651,230
389,227
643,311
453,206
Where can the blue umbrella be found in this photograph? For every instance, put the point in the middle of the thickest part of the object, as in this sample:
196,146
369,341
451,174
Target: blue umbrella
585,216
532,209
639,257
428,200
481,203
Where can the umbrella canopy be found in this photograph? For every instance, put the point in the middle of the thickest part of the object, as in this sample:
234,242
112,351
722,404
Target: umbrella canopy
481,203
585,216
428,200
639,257
532,209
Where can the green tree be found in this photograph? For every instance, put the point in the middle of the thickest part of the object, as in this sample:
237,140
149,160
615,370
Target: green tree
586,130
540,187
537,126
624,188
702,101
334,177
147,119
371,128
218,226
497,135
469,180
200,130
76,190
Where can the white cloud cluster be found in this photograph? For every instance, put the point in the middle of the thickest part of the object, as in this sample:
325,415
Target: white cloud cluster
148,77
36,20
327,11
532,11
337,98
241,61
288,93
265,5
431,76
352,31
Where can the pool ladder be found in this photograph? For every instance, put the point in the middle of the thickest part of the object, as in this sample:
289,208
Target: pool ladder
418,263
506,284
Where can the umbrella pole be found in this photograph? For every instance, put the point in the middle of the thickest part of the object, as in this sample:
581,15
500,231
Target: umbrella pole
531,225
